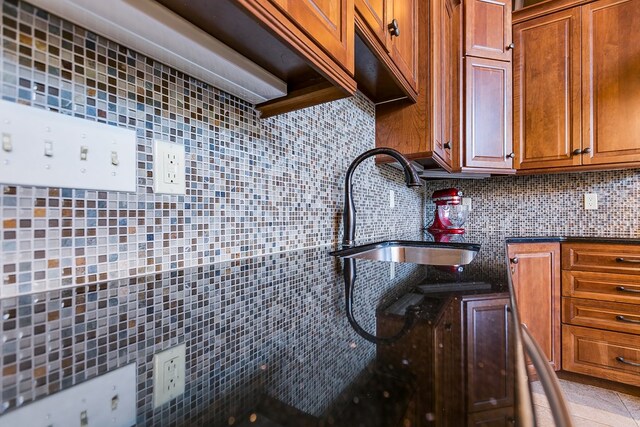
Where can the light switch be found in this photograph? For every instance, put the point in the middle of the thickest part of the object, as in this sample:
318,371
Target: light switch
107,400
55,152
7,145
48,148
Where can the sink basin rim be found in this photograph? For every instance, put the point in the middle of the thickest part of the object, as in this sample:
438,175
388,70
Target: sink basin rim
414,252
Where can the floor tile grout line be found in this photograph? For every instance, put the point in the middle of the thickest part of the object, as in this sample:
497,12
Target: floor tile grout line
627,408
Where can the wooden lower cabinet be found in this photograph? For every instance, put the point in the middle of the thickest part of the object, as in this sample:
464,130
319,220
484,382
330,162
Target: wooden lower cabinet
601,311
601,353
462,361
535,273
611,316
502,417
489,355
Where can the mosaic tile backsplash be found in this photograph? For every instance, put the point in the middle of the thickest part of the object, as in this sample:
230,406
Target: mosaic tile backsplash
254,186
237,268
550,205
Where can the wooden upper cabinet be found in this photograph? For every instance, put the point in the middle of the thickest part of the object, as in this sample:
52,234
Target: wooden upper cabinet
488,118
386,65
328,22
309,44
611,81
488,29
414,128
373,13
535,272
546,88
403,45
444,74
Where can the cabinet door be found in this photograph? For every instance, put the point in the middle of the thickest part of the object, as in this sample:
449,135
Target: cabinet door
546,91
329,22
489,354
403,48
444,72
488,28
611,81
488,100
373,13
447,345
535,271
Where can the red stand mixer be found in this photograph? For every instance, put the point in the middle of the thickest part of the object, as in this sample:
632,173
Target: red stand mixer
450,214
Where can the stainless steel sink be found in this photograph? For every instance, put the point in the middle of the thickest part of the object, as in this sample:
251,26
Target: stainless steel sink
415,252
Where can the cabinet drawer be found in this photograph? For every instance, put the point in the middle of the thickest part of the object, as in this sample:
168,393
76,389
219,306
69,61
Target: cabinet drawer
601,286
606,258
611,316
609,355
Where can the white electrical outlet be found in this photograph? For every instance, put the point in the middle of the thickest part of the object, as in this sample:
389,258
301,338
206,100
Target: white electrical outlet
392,270
591,201
48,149
168,168
107,400
168,375
392,199
466,201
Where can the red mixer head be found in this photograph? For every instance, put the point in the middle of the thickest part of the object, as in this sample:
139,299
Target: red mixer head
447,196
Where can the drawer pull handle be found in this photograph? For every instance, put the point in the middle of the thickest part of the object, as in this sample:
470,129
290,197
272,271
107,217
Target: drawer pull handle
631,261
623,289
626,362
624,319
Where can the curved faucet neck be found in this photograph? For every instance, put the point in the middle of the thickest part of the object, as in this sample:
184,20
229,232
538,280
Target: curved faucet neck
349,215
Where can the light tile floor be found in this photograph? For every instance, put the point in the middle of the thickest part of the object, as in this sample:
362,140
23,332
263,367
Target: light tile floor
590,406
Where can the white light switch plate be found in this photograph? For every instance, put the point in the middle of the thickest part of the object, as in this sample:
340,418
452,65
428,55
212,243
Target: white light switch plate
48,149
107,400
168,374
168,168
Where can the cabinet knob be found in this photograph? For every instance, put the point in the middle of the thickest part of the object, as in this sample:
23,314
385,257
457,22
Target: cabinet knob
394,30
511,155
514,260
511,46
586,150
577,151
447,145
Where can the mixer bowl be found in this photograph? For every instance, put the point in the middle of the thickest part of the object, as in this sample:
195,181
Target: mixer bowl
453,216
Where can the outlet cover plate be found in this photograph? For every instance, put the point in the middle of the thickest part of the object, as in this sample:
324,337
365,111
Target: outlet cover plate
107,400
168,168
591,201
168,374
